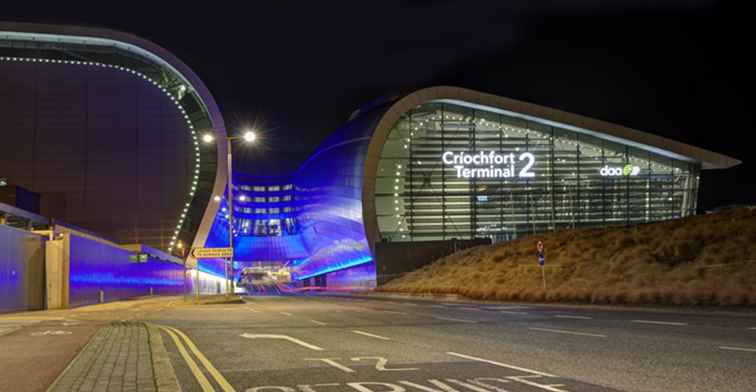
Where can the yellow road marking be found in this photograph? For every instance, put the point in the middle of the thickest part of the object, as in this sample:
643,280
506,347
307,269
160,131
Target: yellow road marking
208,365
201,379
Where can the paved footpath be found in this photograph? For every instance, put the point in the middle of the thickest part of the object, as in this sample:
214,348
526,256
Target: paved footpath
94,348
117,358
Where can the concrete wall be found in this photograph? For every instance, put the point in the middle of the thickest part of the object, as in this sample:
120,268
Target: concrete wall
22,277
394,259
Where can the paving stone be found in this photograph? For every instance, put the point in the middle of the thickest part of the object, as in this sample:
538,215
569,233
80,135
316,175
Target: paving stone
117,358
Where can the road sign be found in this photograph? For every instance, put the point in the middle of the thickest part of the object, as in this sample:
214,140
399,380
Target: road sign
540,251
212,253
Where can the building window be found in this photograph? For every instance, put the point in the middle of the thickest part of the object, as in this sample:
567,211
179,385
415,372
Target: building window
259,199
274,199
287,198
287,209
274,188
258,188
261,211
274,210
288,187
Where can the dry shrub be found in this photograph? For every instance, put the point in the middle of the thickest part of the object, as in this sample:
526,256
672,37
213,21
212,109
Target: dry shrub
699,260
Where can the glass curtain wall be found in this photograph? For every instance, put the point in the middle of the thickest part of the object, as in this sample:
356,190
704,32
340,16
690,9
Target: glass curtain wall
450,171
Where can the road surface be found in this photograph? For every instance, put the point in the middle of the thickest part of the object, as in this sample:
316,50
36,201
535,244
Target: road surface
323,343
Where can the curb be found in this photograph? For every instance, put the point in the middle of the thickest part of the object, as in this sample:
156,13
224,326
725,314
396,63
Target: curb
741,312
165,376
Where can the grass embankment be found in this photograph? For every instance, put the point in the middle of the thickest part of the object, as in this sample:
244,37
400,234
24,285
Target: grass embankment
701,260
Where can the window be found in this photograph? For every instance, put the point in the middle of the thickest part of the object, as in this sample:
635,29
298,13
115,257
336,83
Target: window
274,210
288,187
246,188
258,188
260,211
287,209
274,199
274,188
259,199
287,198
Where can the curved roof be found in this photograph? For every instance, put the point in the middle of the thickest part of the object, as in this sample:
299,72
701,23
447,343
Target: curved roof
16,35
528,111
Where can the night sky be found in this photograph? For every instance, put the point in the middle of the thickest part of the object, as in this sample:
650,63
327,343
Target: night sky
296,70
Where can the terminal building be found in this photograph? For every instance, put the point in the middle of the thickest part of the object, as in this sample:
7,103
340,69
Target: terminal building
104,126
410,178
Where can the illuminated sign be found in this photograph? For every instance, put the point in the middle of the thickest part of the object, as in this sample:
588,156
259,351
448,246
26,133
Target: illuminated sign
490,164
3,182
213,253
627,170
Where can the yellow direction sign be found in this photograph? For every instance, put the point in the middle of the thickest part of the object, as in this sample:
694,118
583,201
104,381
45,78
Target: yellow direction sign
212,253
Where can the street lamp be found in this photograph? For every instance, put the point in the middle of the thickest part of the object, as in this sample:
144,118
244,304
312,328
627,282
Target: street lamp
248,136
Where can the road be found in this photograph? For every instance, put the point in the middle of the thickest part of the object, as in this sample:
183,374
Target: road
324,343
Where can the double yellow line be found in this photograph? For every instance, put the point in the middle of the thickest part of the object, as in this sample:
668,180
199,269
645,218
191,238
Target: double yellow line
177,337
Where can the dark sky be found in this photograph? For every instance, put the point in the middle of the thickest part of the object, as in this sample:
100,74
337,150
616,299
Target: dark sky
296,70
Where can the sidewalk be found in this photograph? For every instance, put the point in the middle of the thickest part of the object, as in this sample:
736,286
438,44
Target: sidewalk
117,358
94,348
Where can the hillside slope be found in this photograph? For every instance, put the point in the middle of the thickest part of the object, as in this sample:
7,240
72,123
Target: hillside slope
700,260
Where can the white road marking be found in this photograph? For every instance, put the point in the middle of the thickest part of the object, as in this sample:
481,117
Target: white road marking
595,335
750,350
512,312
658,322
332,362
470,308
505,307
370,334
51,333
380,364
752,328
500,364
284,337
286,313
318,322
392,312
454,319
547,387
569,316
253,310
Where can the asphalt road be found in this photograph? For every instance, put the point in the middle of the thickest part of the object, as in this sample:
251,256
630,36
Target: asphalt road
319,343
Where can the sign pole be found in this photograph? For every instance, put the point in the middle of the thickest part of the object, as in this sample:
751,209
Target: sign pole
197,280
543,275
541,254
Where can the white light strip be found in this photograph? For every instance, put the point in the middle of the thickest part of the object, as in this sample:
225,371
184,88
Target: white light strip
152,82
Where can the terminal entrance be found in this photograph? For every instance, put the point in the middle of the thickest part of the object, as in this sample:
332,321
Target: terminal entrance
263,278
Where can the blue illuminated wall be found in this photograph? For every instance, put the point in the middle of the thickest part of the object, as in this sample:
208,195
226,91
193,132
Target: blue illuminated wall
329,236
97,265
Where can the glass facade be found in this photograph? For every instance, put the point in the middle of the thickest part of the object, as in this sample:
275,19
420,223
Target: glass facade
452,171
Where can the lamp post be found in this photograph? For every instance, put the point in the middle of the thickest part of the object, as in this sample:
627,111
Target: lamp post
248,137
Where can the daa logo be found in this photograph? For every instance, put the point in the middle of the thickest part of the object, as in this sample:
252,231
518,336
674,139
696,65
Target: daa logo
626,171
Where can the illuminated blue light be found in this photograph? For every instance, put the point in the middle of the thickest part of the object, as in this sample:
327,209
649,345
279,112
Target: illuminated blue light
112,279
345,265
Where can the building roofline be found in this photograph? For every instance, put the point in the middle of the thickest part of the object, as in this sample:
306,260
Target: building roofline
529,111
151,52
